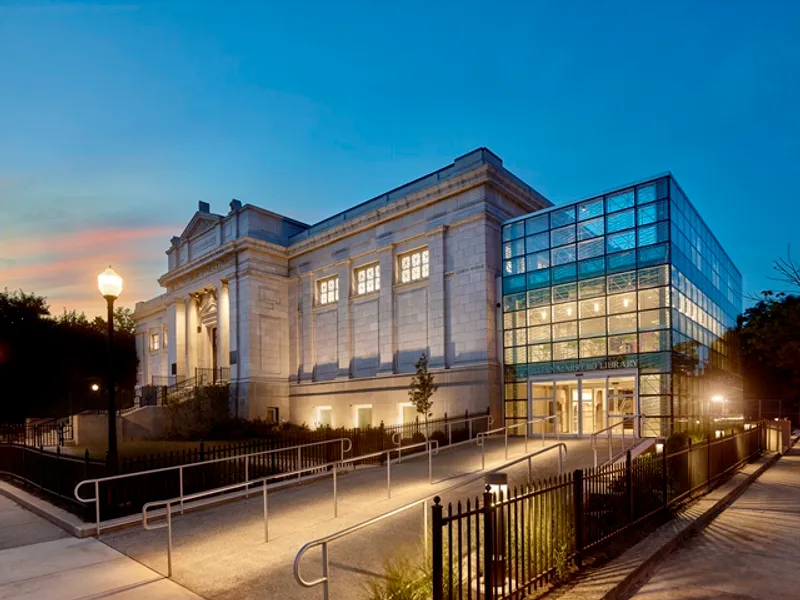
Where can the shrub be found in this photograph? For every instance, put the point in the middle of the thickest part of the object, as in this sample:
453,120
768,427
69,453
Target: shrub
401,580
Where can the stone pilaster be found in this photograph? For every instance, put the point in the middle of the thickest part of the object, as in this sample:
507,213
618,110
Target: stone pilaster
386,325
223,325
344,333
190,337
436,299
176,338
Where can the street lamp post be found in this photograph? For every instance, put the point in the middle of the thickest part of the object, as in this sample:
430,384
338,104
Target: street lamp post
110,285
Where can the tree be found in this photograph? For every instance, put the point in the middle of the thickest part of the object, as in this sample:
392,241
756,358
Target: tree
421,389
788,270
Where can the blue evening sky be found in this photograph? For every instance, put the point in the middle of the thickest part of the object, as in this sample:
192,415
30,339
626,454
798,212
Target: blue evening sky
115,119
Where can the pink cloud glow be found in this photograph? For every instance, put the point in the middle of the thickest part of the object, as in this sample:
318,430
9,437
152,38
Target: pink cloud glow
64,267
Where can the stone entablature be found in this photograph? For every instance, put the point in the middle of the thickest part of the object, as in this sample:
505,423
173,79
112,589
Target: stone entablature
242,293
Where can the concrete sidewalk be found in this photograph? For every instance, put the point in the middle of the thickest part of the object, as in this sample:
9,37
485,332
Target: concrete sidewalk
40,561
750,551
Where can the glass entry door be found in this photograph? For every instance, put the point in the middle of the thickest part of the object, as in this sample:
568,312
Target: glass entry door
583,404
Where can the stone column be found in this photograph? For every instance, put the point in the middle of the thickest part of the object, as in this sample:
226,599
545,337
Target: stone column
436,301
223,325
386,325
191,336
176,338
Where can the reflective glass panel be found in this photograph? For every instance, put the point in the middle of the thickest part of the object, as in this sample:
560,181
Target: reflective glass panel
590,209
590,229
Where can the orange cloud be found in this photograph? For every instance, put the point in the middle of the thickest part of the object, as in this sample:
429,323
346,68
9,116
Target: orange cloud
64,267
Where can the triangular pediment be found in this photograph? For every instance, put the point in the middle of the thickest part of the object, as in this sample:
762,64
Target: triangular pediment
200,222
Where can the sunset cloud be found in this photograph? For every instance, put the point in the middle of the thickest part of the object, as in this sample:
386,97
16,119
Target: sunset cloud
63,266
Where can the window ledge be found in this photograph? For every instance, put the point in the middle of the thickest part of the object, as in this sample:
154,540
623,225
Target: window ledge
365,297
412,284
326,307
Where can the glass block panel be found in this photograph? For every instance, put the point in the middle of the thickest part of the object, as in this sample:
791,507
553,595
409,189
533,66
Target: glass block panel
592,288
516,356
565,350
622,323
651,213
646,193
621,261
593,327
538,298
622,344
620,303
515,266
538,316
621,282
516,390
591,229
565,312
621,241
564,273
513,302
653,341
619,221
538,242
593,347
561,217
654,384
513,284
591,248
539,279
653,319
508,338
653,234
516,410
565,331
591,268
539,334
590,209
514,248
538,260
619,201
595,307
514,320
653,277
653,298
563,255
563,235
539,353
653,255
536,225
565,292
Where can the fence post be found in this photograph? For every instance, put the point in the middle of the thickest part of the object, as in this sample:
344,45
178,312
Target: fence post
664,476
488,545
629,485
708,460
202,451
577,496
437,552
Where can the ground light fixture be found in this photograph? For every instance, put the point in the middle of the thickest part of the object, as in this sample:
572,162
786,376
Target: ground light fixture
95,387
497,485
110,285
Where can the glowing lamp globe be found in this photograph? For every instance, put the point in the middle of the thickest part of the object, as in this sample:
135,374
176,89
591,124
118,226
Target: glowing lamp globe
109,283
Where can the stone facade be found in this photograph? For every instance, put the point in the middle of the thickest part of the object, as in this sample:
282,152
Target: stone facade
244,292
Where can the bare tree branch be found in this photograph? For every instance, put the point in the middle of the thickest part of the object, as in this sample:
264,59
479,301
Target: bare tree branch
788,270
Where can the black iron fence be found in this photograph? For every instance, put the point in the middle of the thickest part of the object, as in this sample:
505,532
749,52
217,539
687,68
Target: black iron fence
509,543
23,457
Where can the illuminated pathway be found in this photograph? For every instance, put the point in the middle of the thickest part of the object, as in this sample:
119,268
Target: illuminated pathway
751,550
40,561
220,553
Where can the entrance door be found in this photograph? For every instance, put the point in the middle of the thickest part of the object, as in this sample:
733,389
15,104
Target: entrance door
583,404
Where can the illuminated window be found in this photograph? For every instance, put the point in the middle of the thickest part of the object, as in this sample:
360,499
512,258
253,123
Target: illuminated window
415,266
328,290
155,341
368,279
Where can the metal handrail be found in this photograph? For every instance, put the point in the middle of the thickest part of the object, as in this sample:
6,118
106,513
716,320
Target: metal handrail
627,418
324,541
432,447
180,468
484,434
468,420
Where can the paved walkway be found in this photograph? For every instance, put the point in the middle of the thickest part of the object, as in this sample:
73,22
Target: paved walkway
750,551
220,552
40,561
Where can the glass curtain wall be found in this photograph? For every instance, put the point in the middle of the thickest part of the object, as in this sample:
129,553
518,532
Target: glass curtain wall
618,282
